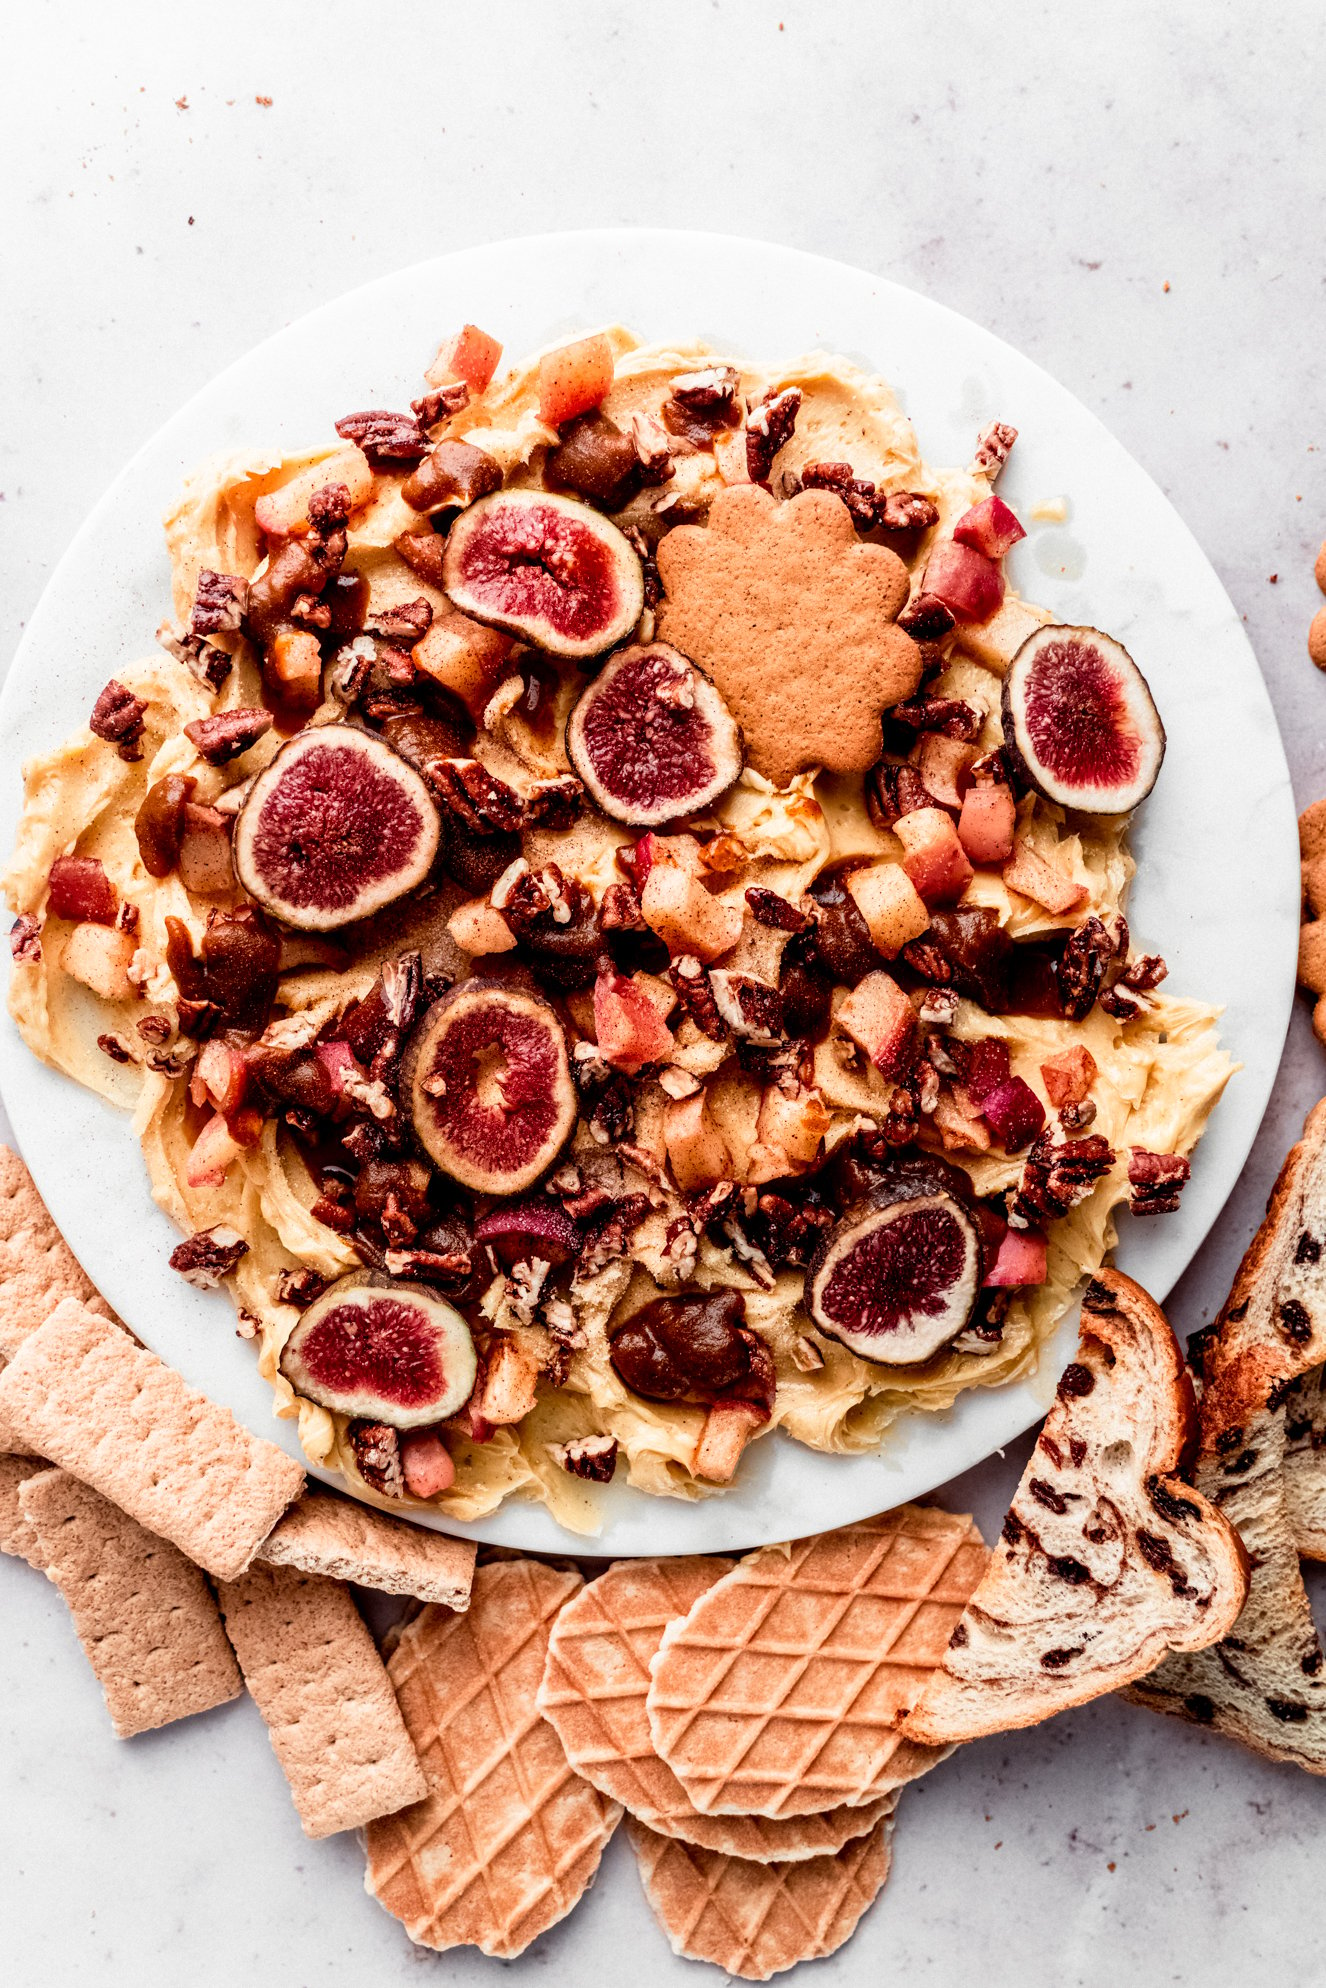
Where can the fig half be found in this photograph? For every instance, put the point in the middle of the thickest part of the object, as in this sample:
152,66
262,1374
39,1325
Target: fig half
336,827
548,569
1080,722
652,739
897,1278
394,1353
489,1088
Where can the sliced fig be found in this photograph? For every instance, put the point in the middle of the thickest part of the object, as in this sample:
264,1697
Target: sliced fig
548,569
337,826
652,739
488,1083
1079,721
897,1278
371,1347
530,1228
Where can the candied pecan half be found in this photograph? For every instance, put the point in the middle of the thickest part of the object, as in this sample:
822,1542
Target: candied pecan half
952,717
226,734
906,511
1080,969
116,1048
620,910
653,451
926,619
299,1287
894,791
1057,1178
406,622
768,908
204,1258
203,660
696,994
377,1453
220,603
554,803
1144,973
1156,1180
993,446
856,493
716,386
384,436
441,403
483,803
117,717
328,510
769,427
593,1457
25,940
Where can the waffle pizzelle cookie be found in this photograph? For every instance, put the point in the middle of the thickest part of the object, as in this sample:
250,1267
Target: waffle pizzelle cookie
508,1838
594,1689
754,1920
780,1692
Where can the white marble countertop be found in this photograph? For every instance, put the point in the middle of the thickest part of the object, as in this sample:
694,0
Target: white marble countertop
1133,201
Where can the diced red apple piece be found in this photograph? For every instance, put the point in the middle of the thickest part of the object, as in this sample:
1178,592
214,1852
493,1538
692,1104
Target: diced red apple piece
1020,1260
891,905
990,527
697,1152
465,658
879,1017
987,1066
573,379
970,585
479,928
204,860
508,1385
987,822
211,1153
79,889
933,857
99,957
295,660
942,764
470,355
282,513
1043,881
686,917
1069,1075
340,1063
628,1026
1014,1112
728,1427
958,1122
220,1076
791,1129
426,1463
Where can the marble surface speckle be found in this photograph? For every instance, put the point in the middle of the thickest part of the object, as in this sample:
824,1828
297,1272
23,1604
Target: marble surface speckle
1130,197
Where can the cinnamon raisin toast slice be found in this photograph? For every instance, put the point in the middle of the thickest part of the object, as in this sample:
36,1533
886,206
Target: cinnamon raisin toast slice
1108,1558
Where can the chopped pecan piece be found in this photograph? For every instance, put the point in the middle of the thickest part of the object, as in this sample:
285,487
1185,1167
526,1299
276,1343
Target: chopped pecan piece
406,622
614,1225
768,908
441,403
620,910
1155,1181
696,995
926,619
116,1048
226,734
716,386
1076,1117
423,553
384,436
25,940
117,717
1080,970
204,1258
484,804
299,1287
1057,1178
203,660
648,564
906,511
219,604
554,803
856,493
328,511
993,446
769,427
1143,973
653,451
310,612
377,1453
953,717
752,1009
894,791
593,1457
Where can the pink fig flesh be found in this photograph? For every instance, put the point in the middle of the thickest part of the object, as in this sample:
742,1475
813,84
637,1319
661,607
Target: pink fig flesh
897,1278
394,1353
652,739
489,1085
548,569
1080,721
530,1229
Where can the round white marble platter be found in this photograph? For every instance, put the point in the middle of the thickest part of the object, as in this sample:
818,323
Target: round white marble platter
1217,890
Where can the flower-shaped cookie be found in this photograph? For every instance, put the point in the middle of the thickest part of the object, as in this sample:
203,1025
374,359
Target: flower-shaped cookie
792,616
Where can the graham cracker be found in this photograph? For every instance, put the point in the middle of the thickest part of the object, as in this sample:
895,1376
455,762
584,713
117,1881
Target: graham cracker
315,1675
84,1395
37,1266
16,1535
348,1542
144,1614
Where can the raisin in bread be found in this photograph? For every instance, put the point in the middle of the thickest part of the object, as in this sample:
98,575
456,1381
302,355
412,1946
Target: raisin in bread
1305,1463
1107,1558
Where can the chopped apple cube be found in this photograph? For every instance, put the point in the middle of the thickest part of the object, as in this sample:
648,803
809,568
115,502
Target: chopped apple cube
933,857
879,1017
987,822
1069,1075
1021,1259
686,917
479,929
204,859
282,513
728,1427
295,661
888,900
942,764
791,1129
211,1153
995,642
464,657
627,1024
1043,881
426,1463
573,379
99,957
697,1152
508,1385
470,355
